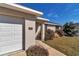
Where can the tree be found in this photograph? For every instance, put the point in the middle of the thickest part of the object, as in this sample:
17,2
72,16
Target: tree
68,29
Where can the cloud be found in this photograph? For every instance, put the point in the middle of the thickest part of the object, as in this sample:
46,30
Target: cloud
74,20
52,15
56,15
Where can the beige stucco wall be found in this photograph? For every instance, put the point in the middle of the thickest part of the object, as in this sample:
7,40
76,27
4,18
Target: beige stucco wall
51,28
29,33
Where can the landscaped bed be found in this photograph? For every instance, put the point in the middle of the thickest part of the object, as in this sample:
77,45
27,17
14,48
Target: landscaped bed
66,45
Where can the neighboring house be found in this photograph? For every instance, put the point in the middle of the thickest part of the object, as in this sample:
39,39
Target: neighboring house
17,27
77,28
53,26
43,25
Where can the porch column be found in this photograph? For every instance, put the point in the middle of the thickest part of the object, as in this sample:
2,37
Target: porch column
43,32
38,31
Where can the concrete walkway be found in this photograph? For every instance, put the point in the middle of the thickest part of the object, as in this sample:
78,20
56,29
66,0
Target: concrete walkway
52,51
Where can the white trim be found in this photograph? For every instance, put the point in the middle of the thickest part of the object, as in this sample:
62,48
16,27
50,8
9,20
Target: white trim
43,32
38,31
21,8
52,24
42,19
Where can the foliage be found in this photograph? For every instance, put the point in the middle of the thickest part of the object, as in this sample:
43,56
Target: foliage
49,34
59,32
37,51
38,36
68,29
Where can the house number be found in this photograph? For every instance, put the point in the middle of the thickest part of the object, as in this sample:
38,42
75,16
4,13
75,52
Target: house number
30,28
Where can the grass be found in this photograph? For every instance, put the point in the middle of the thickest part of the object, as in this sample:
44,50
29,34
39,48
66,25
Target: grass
67,45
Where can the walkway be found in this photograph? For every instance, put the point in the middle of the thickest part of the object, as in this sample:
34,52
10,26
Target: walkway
52,51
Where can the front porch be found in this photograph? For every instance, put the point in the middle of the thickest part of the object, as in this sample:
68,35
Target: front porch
40,31
45,30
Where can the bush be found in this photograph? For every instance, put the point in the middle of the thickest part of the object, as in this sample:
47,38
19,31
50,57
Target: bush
49,34
59,32
37,51
39,36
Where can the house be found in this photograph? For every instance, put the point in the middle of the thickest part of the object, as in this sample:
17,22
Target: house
53,26
17,27
43,25
76,28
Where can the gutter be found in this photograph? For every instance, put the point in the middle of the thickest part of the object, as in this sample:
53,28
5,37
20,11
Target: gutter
21,8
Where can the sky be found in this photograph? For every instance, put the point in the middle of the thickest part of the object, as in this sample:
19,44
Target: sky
57,12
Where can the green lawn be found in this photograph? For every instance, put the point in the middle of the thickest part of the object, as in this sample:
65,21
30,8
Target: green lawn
67,45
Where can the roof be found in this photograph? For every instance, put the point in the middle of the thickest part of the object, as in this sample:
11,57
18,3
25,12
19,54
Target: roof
52,23
21,8
42,19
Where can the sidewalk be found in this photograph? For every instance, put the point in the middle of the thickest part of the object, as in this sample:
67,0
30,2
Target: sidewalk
52,51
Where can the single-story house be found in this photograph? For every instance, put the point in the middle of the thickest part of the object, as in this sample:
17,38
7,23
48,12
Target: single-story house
17,27
53,26
42,25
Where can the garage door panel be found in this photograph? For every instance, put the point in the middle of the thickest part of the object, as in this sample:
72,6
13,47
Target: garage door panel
9,19
9,43
9,49
5,38
10,34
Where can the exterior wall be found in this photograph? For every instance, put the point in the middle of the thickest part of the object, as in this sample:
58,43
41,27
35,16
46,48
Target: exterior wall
29,33
51,28
58,27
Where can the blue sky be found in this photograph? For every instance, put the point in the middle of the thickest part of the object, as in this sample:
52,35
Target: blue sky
57,12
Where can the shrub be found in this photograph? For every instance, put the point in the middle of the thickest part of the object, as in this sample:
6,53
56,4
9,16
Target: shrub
49,34
37,51
59,32
38,36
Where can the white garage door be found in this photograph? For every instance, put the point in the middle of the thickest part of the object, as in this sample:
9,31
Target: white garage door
10,34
